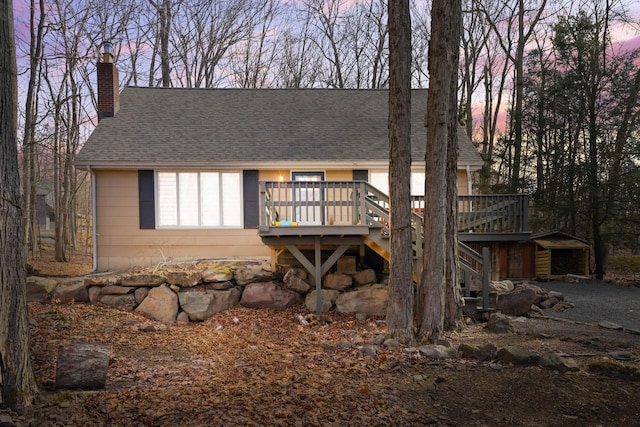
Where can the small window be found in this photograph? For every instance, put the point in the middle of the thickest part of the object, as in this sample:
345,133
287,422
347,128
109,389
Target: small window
199,199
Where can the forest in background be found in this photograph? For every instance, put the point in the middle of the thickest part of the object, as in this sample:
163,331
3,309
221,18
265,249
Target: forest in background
547,91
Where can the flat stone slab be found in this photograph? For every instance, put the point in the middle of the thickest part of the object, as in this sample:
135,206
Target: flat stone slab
610,325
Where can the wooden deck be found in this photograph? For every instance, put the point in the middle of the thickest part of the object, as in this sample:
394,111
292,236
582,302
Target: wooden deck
336,215
342,207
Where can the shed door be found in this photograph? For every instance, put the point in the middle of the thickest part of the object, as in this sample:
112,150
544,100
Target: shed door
307,214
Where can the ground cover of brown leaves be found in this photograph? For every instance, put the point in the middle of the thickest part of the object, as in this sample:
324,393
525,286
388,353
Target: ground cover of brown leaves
44,264
262,368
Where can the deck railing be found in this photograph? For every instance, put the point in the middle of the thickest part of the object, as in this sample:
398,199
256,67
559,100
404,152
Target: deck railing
309,204
493,213
335,203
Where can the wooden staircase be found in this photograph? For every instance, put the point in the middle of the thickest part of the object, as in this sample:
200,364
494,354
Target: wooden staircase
473,266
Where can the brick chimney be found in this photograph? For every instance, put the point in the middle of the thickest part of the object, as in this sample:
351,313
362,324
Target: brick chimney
108,85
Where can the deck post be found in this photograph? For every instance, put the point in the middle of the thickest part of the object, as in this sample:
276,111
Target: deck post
318,275
486,260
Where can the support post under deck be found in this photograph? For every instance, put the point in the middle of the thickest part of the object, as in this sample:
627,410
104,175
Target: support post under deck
317,269
318,275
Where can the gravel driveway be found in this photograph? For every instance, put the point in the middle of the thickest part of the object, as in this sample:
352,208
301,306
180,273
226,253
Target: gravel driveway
596,301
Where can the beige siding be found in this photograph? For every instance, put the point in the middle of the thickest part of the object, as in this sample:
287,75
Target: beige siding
339,175
463,182
122,244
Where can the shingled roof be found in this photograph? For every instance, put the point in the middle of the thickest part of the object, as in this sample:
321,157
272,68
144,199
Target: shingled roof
158,127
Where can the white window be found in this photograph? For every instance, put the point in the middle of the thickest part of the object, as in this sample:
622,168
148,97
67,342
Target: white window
199,199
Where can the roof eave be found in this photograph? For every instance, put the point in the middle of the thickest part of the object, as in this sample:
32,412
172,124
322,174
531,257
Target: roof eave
262,165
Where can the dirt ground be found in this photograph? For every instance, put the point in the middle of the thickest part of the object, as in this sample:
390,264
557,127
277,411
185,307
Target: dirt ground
263,368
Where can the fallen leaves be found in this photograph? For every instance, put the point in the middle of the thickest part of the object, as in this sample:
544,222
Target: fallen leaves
263,367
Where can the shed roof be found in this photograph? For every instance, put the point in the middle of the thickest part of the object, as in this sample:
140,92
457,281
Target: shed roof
559,240
259,127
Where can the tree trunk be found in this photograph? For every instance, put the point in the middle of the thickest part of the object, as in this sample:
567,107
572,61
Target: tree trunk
454,302
16,375
400,308
432,287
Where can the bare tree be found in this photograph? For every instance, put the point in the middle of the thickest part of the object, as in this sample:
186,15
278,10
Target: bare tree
331,39
204,34
400,308
29,144
164,10
299,61
66,101
473,37
17,382
420,35
252,59
432,289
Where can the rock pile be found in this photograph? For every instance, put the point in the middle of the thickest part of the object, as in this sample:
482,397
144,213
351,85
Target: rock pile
523,298
197,291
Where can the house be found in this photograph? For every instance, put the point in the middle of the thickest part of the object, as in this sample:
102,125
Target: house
44,211
181,174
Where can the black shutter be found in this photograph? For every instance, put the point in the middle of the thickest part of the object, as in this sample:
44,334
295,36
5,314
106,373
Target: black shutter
251,195
360,175
146,199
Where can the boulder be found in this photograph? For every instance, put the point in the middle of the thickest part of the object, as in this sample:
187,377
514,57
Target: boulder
610,325
103,280
220,286
517,356
558,363
535,311
368,350
184,279
500,324
296,280
161,304
518,302
200,306
124,302
562,306
268,295
549,302
141,294
557,295
95,293
252,274
116,290
69,291
370,299
328,299
438,351
82,365
484,352
500,286
182,317
138,280
541,294
364,277
214,275
337,281
39,288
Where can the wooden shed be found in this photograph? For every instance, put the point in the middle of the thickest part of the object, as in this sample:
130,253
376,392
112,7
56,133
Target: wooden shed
558,254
